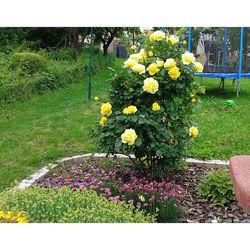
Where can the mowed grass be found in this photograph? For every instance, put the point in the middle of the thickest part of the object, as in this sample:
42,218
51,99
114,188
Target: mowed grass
224,132
45,128
58,124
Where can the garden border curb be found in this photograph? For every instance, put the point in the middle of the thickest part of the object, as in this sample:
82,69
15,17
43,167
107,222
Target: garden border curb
78,158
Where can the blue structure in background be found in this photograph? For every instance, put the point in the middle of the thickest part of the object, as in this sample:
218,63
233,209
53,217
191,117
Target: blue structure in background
216,70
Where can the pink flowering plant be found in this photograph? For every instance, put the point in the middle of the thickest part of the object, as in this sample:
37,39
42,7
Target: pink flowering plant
150,105
157,197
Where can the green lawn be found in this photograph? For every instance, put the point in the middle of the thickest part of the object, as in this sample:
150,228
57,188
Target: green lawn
57,124
223,132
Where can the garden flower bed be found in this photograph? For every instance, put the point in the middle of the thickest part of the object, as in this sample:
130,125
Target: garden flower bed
115,180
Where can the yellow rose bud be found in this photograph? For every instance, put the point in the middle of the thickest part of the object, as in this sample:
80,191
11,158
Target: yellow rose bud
130,63
136,57
129,110
133,47
129,136
150,85
155,106
170,63
174,73
106,109
139,68
198,66
188,58
152,69
201,90
150,53
193,132
173,39
141,197
103,120
96,98
184,42
157,36
170,141
143,55
159,63
193,101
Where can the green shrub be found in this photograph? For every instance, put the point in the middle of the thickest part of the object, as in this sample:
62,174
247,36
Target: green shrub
217,187
29,62
149,114
67,206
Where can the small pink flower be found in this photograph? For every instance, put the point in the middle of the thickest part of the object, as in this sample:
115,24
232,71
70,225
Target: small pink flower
131,201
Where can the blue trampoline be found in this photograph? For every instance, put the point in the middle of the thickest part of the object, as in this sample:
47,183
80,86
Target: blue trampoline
224,53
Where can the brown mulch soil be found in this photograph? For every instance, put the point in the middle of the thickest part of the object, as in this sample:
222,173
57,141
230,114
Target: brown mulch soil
201,210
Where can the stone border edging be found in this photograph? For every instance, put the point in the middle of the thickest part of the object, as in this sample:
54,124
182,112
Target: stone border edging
78,158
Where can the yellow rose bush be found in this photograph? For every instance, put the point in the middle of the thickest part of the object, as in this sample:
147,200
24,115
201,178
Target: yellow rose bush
152,100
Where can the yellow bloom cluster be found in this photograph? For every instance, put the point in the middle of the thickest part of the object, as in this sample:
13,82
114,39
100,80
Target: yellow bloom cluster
139,68
188,58
11,217
174,73
153,69
129,136
173,39
156,106
129,63
157,36
150,85
103,120
170,63
106,109
193,132
198,66
136,57
129,110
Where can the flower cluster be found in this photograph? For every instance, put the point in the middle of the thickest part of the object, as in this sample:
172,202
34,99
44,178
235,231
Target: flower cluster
13,217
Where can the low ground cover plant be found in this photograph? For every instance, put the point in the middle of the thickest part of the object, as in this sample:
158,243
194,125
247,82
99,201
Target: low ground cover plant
216,186
157,197
67,206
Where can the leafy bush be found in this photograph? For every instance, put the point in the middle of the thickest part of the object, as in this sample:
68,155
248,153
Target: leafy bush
217,187
151,102
67,206
29,62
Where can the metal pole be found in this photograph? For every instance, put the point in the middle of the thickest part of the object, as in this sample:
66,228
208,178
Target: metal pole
189,38
225,50
240,60
90,65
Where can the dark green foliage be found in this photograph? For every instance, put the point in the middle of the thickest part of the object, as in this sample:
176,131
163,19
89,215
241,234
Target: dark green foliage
67,206
217,187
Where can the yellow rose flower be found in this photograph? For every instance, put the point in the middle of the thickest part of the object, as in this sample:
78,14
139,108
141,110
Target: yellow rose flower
136,57
193,101
170,63
96,98
150,85
133,47
129,110
106,109
193,132
139,68
188,58
184,42
156,106
198,66
150,53
174,73
159,63
129,136
103,120
130,63
141,197
143,55
201,90
173,39
157,36
152,69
